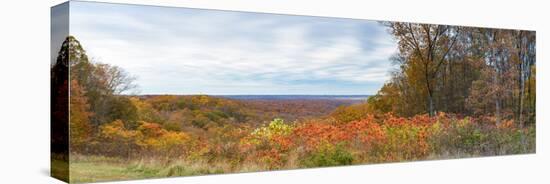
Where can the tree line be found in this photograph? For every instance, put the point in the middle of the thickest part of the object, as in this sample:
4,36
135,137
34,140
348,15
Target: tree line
463,70
457,92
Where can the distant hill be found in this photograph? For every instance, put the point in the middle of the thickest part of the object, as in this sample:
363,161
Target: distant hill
296,97
200,110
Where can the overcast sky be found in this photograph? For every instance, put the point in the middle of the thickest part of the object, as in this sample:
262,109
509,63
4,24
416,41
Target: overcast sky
191,51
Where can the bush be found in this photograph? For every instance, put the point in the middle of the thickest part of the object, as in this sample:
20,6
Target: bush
116,140
403,143
269,134
329,155
467,137
269,145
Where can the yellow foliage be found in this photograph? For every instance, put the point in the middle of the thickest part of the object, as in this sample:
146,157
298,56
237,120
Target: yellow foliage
345,114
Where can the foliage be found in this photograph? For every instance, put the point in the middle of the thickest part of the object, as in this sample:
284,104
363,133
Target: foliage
270,143
277,127
345,114
469,71
79,118
329,155
159,141
116,140
457,92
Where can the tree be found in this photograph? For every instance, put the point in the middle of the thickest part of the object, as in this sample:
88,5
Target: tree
463,70
59,104
428,45
79,118
103,85
525,43
509,57
121,108
482,95
113,78
385,100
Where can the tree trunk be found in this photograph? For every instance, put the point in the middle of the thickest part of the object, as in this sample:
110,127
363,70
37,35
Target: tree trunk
496,80
430,99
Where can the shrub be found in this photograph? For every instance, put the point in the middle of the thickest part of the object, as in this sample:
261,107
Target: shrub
403,143
275,132
269,145
277,127
158,141
117,140
328,155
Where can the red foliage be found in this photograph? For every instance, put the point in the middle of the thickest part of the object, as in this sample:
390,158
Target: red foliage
313,133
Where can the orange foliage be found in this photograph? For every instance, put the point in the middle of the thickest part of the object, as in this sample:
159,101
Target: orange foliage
366,131
79,118
314,134
151,129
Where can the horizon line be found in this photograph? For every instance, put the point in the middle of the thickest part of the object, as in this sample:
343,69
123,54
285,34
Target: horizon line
198,94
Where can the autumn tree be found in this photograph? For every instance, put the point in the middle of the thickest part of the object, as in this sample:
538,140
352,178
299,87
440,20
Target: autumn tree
121,108
79,117
463,70
386,100
428,46
103,86
509,61
525,57
59,103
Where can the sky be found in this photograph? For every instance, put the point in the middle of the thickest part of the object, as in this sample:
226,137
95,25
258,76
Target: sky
59,29
193,51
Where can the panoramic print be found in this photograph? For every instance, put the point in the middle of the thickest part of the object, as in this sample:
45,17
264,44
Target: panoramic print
148,92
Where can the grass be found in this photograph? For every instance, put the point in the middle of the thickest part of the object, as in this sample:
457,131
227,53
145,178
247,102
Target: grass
96,169
86,169
60,169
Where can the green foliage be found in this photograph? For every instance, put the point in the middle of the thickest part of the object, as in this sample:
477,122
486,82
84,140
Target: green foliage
459,137
329,155
122,108
385,100
172,126
401,143
145,111
216,115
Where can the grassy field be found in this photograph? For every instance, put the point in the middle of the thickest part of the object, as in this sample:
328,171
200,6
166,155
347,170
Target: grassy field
96,169
60,169
101,169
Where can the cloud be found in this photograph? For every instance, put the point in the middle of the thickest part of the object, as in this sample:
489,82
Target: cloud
59,29
190,51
